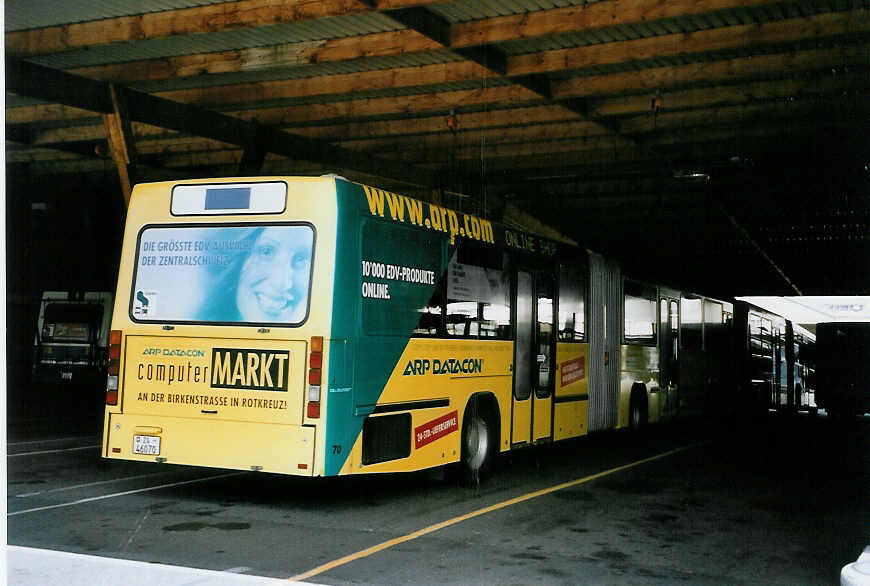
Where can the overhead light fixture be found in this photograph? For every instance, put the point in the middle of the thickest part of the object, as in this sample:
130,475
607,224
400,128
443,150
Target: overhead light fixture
691,176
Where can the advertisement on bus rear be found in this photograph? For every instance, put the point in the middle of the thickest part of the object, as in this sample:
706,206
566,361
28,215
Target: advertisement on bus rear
223,274
224,377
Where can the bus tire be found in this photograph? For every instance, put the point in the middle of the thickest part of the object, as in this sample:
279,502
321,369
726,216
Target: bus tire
637,408
479,442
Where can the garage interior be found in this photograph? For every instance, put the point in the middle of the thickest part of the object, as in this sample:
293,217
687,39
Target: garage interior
719,146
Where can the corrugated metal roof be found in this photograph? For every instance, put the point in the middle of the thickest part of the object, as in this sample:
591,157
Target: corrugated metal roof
28,14
736,53
302,71
463,11
686,24
374,94
373,22
296,32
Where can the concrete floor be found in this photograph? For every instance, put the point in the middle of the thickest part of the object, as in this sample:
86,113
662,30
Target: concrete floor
775,501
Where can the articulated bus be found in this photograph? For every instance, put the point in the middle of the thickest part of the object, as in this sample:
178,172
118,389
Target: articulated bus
804,369
775,361
320,327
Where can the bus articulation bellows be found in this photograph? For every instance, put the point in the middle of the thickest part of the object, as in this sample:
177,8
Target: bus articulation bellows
319,327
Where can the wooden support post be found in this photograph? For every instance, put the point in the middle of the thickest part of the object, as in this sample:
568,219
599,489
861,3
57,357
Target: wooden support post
120,136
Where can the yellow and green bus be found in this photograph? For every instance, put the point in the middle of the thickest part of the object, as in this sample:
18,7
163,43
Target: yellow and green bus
320,327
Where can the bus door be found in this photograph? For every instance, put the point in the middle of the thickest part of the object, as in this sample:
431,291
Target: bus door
534,356
669,350
778,371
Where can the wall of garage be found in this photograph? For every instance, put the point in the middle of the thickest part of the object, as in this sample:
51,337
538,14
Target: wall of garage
63,233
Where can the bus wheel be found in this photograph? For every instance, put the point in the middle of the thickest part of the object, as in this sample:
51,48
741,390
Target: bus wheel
478,443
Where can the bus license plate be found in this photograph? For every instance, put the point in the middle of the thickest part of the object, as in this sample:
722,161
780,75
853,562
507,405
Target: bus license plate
148,445
66,376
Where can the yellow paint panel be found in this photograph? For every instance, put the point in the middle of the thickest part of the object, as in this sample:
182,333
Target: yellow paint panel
543,418
214,378
452,369
571,417
570,420
438,369
522,422
444,450
240,445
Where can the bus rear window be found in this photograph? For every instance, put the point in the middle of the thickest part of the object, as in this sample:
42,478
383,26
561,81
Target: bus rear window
246,274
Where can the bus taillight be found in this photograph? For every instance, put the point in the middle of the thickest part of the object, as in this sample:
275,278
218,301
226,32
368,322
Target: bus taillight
114,367
315,362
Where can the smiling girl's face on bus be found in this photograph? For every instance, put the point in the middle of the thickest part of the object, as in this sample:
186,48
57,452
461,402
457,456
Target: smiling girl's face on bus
273,284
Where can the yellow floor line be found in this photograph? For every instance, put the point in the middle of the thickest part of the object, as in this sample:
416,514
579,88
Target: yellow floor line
516,500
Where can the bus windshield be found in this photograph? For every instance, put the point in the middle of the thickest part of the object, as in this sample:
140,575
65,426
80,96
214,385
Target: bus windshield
238,274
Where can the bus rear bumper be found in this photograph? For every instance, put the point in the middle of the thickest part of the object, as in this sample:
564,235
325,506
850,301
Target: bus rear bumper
235,445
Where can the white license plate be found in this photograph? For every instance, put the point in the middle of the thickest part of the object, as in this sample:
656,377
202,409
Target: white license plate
148,445
66,376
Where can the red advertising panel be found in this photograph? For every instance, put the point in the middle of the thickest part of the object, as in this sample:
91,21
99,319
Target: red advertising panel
435,429
573,370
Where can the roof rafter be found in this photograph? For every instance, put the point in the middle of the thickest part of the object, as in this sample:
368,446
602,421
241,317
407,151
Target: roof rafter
256,13
487,56
683,45
183,21
56,86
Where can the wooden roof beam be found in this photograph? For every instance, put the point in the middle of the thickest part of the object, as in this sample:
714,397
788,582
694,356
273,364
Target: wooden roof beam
433,124
184,21
833,107
580,18
819,26
41,82
537,64
486,55
254,13
784,65
423,21
439,103
474,34
469,151
84,148
824,82
794,30
727,71
470,136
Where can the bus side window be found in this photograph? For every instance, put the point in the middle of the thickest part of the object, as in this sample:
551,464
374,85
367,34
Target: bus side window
640,314
478,294
572,316
544,332
690,323
432,314
716,330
